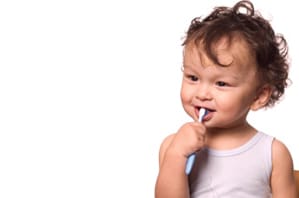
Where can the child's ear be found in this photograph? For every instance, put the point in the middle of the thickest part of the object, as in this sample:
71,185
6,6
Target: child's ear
262,98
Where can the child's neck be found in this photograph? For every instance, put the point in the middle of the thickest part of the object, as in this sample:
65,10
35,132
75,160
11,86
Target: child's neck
230,138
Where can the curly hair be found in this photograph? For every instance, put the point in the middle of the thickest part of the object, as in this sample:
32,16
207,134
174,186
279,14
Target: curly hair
269,49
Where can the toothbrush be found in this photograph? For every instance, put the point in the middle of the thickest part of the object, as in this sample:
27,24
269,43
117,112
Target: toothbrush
191,158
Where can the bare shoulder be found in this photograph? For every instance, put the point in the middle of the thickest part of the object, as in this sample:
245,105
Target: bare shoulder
165,144
282,177
281,153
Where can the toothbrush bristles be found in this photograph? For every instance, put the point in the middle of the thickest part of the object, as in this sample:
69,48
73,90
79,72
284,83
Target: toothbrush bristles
202,113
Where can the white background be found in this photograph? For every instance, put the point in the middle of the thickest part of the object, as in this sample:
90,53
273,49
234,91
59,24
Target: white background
89,89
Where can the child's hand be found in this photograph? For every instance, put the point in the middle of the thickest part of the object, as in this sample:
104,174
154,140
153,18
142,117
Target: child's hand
189,139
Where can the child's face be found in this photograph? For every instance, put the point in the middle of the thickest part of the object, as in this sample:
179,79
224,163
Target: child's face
227,92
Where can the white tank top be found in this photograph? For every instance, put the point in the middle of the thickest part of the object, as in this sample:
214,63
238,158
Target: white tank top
243,172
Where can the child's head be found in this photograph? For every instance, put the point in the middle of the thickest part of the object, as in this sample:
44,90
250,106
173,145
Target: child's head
242,22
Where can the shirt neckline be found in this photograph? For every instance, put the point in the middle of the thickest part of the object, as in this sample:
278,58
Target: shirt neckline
249,144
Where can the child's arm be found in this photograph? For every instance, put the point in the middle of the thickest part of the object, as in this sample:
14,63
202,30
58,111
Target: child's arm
172,181
282,178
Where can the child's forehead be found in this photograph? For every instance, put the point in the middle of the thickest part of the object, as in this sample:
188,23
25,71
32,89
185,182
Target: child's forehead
228,51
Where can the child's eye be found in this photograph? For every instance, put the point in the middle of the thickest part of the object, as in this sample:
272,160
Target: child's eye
221,84
192,78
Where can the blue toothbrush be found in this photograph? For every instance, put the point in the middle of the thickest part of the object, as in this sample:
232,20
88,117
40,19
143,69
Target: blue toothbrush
191,158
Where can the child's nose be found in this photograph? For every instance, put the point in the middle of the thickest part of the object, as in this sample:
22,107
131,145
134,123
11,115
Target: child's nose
203,92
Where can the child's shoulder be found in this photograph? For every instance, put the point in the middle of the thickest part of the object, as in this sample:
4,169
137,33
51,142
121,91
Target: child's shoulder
282,178
280,153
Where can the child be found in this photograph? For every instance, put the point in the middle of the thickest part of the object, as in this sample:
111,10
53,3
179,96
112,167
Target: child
232,63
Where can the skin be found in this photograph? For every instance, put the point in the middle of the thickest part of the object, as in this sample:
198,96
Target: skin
229,92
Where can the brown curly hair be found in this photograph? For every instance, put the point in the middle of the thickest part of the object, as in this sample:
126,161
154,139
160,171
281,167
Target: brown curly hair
269,49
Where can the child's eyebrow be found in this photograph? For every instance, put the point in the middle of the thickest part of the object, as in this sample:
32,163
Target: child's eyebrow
189,67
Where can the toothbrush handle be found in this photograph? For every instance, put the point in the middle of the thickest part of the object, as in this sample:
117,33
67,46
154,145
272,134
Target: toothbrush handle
190,162
191,158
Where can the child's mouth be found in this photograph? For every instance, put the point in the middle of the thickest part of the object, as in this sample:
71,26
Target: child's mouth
208,113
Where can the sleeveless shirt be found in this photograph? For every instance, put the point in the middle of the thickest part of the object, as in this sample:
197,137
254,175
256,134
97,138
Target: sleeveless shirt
243,172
